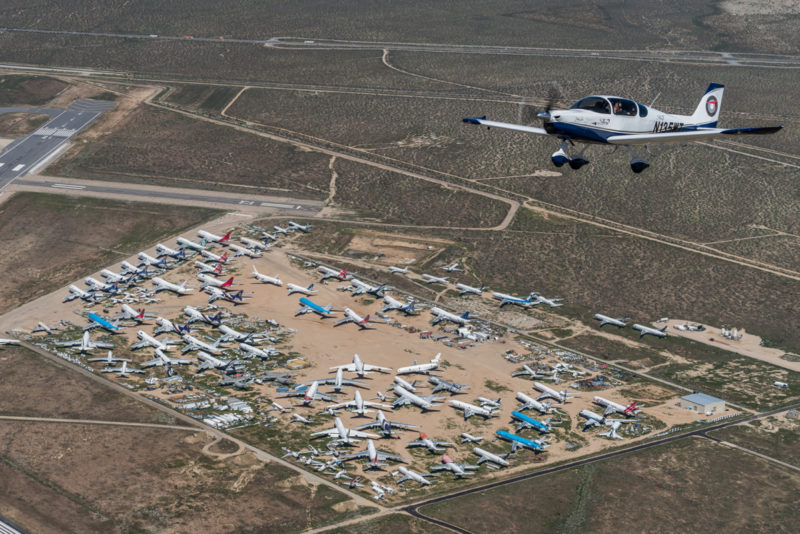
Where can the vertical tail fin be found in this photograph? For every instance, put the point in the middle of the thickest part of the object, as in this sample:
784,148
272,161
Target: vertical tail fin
707,111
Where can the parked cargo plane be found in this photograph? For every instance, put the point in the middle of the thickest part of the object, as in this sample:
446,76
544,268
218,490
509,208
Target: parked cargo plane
442,315
149,341
358,405
77,293
422,368
430,279
327,272
408,474
163,285
339,381
294,288
432,445
188,243
253,244
548,392
459,470
362,288
453,388
614,407
163,250
517,301
386,426
305,228
342,435
615,121
359,367
353,317
518,442
644,330
394,304
464,289
85,344
210,256
398,270
208,237
244,251
123,370
375,458
194,315
486,456
471,409
405,397
274,280
605,319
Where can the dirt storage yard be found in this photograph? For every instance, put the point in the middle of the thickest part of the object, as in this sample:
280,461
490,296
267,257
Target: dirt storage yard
320,345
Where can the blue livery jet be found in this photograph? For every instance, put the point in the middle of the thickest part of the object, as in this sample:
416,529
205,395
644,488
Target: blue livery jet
98,321
518,442
311,307
526,421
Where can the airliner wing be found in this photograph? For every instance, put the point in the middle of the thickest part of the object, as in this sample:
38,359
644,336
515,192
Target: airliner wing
690,135
506,125
358,434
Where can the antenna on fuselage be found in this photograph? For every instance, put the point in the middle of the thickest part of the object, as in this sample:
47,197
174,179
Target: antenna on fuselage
654,100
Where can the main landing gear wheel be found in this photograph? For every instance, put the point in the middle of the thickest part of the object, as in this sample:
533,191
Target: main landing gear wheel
560,157
576,163
639,164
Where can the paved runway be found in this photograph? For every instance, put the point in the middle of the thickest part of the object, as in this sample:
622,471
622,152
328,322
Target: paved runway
24,154
195,195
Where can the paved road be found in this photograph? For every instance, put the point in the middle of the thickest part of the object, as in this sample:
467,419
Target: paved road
94,422
24,154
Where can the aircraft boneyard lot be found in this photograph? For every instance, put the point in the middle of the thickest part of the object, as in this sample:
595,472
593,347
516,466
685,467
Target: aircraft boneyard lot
359,126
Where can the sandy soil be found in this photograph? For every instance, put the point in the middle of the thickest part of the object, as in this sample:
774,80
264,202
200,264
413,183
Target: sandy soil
4,142
761,7
482,366
749,345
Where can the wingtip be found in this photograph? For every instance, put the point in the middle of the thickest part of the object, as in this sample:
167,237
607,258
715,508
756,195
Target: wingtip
473,120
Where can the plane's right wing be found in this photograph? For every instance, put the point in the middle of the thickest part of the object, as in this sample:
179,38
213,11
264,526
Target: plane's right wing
684,136
481,121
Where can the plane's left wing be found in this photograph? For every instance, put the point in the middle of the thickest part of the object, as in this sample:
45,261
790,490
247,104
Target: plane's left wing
690,135
481,121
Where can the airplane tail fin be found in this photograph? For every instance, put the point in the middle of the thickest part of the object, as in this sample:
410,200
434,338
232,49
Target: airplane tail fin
707,111
662,329
465,315
226,237
228,282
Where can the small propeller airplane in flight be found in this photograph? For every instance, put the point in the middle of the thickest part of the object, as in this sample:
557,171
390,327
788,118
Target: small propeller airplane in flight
611,120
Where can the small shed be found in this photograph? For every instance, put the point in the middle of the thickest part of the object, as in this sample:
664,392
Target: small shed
700,402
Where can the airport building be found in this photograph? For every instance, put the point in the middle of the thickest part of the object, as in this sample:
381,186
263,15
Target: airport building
700,402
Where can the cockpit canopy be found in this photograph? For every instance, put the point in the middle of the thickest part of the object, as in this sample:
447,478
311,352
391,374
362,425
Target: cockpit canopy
605,105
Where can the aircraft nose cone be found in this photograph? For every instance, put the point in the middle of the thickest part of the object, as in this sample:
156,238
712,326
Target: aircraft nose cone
544,115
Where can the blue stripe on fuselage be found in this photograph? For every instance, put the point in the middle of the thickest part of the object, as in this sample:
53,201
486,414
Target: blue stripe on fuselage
585,134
